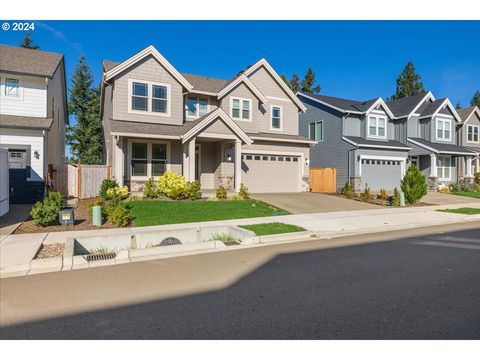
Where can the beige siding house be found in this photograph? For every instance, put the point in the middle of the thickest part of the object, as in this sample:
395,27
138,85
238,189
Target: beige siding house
221,132
33,114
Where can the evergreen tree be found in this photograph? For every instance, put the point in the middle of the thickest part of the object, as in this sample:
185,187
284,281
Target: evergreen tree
475,99
414,185
408,83
295,83
308,83
458,106
284,78
85,137
27,42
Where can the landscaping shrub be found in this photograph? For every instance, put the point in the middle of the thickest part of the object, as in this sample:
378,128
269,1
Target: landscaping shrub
414,185
396,197
89,204
366,194
244,193
120,215
476,178
193,190
107,184
347,190
173,185
443,189
383,196
221,193
237,197
45,212
150,191
117,192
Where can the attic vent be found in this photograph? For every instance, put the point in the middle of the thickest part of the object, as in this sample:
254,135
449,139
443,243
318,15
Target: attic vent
170,241
97,257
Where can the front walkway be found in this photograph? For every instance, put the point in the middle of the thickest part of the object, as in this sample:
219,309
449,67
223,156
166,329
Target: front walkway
436,198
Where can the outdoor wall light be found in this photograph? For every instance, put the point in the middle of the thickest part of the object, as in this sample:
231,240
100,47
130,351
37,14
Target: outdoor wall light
229,157
36,154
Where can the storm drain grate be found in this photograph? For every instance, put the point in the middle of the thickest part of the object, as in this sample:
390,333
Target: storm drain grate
97,257
169,241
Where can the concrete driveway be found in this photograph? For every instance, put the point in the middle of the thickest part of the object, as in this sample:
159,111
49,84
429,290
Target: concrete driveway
306,202
436,198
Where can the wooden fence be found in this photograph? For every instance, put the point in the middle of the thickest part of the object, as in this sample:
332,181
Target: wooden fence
82,181
323,180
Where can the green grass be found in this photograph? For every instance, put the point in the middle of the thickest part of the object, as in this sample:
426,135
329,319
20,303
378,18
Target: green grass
471,194
156,212
465,211
272,228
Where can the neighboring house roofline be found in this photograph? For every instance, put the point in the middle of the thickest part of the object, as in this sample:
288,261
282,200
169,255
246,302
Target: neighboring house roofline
440,152
386,146
329,105
263,62
428,96
445,103
474,110
242,79
149,50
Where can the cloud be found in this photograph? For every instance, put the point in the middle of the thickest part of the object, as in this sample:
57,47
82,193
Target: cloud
59,36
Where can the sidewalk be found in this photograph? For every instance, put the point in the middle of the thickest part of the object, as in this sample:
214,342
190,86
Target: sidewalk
18,250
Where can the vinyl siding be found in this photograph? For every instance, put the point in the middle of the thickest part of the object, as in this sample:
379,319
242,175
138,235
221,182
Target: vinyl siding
32,100
431,127
463,131
241,91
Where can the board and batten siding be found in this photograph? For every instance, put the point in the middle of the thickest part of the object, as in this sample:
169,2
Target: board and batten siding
32,100
332,151
148,70
56,110
276,97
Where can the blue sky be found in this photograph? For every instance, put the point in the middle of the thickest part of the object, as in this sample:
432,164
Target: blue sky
352,59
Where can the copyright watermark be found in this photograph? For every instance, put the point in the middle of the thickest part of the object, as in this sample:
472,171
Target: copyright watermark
18,26
5,26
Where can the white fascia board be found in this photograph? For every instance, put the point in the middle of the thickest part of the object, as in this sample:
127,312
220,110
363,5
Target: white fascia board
429,96
384,105
278,79
150,50
248,83
299,141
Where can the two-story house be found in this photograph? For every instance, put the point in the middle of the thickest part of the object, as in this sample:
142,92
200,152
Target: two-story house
357,138
221,132
33,114
469,135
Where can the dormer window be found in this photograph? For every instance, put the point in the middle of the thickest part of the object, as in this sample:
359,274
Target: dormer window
240,108
12,87
377,126
443,129
149,98
197,107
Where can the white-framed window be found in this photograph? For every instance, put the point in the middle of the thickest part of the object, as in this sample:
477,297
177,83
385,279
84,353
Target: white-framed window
12,87
148,158
197,107
276,117
444,168
315,131
473,133
377,126
443,129
240,109
149,98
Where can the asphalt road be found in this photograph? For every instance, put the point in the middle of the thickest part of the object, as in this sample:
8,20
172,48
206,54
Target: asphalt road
421,286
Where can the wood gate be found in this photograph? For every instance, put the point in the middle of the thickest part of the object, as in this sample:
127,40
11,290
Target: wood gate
323,180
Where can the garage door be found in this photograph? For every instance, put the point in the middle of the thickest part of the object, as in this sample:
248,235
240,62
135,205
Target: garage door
379,174
271,173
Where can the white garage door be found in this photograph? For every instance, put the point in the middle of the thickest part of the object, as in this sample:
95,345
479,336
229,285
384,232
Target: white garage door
271,173
381,174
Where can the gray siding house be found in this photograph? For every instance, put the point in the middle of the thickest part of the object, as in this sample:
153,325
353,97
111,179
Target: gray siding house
469,135
221,132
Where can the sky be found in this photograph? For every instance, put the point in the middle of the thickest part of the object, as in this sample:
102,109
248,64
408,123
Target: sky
353,59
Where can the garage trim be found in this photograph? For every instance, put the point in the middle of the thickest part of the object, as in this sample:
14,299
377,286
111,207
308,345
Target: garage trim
283,153
402,160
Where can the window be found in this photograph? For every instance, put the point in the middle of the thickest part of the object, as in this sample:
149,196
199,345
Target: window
159,98
443,129
12,87
240,108
472,133
444,164
377,126
139,96
276,123
139,159
197,107
315,131
159,159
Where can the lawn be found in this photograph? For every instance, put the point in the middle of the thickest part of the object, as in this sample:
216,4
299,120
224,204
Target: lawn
465,211
471,194
272,228
147,213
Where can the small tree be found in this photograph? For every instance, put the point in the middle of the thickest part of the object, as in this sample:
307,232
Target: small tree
285,80
475,99
295,83
414,185
27,42
308,83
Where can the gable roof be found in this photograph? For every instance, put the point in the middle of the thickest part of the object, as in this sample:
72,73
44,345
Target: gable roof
430,108
409,104
148,51
438,148
248,83
368,143
465,114
263,62
205,83
347,105
28,61
438,105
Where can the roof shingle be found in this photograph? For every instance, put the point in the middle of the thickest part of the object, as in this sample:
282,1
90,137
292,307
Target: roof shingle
13,121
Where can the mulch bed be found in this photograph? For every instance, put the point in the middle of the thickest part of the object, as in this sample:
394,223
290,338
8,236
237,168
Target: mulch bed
83,221
50,251
376,201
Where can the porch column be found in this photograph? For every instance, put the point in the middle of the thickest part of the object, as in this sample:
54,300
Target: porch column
185,165
118,159
477,164
191,160
238,164
433,165
468,172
